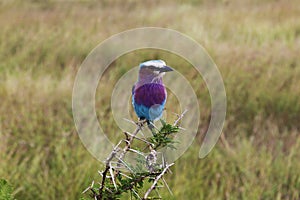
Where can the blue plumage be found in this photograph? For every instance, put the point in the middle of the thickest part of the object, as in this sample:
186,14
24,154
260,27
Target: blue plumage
153,113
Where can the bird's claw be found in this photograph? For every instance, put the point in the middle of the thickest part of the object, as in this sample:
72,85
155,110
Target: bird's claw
141,122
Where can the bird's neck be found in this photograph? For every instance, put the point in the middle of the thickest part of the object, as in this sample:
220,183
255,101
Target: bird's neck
146,78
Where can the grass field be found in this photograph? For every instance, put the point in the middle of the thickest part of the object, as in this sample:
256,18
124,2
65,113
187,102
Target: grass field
256,45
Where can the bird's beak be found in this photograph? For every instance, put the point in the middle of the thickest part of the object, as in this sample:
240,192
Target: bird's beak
166,69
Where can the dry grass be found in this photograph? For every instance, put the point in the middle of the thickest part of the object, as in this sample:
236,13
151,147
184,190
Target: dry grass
256,45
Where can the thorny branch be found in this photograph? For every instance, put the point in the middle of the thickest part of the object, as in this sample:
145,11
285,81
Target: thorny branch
107,167
156,181
179,118
129,139
155,171
113,155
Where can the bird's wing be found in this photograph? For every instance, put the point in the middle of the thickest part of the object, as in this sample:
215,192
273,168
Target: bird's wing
132,90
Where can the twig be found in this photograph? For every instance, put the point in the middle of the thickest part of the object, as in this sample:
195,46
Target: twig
156,181
104,173
143,140
129,141
180,117
128,144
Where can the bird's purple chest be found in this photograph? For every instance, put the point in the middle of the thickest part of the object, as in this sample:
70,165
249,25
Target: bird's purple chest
150,94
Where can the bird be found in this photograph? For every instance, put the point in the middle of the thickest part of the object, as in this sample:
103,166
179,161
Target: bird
149,94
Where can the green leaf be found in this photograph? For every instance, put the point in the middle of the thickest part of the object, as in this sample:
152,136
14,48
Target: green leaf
5,190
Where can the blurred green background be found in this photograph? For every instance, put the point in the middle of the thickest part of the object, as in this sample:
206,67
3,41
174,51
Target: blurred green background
256,45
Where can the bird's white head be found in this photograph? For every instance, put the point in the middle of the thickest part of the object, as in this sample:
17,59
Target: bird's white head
156,67
152,71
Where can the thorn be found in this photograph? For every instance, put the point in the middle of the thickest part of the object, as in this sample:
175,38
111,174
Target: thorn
108,190
184,129
125,175
101,173
157,193
118,167
125,164
112,178
180,117
163,161
153,125
117,146
128,120
170,171
135,151
167,186
92,185
143,140
136,194
84,191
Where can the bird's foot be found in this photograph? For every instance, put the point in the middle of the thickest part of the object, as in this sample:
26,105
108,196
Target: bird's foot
141,122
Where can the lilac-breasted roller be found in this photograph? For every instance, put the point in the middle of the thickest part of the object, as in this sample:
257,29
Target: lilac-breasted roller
149,94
